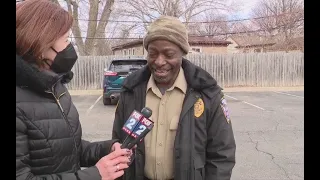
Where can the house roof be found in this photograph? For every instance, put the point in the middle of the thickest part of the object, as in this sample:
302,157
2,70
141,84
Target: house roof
128,44
193,40
249,41
207,40
292,44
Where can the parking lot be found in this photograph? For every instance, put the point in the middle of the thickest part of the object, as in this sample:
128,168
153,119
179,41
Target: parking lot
268,127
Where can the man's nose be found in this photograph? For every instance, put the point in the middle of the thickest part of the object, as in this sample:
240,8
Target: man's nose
160,61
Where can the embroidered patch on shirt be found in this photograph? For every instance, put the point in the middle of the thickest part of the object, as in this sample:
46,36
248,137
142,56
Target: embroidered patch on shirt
225,109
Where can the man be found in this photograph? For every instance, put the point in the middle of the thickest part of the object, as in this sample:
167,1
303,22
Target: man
192,138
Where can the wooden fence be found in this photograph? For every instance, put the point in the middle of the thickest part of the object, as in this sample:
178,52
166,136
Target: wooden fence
230,70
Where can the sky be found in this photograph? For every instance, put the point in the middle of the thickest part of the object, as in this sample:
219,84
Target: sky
247,5
245,10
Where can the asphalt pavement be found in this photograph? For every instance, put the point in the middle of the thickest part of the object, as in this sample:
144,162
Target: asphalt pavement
268,128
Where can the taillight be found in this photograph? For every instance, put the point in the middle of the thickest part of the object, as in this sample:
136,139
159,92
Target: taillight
110,73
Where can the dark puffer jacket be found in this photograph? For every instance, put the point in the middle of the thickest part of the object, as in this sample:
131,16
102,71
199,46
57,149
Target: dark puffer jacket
48,131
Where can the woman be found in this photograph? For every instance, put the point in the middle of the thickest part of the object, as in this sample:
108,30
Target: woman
48,131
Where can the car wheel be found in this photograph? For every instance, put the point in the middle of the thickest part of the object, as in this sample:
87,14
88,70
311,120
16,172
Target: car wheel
106,101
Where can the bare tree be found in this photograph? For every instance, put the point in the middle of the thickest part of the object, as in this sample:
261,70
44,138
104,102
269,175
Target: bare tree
284,18
99,12
148,10
243,31
211,24
125,32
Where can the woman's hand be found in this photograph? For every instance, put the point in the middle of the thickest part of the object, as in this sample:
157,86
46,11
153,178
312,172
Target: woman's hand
117,146
111,166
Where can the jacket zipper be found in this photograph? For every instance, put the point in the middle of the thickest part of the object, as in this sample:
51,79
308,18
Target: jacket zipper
69,125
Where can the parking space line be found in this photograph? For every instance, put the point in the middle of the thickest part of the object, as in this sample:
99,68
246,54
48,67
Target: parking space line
91,107
231,97
288,94
253,105
246,102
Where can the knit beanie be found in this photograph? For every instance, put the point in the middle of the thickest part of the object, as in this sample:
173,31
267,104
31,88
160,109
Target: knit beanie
168,28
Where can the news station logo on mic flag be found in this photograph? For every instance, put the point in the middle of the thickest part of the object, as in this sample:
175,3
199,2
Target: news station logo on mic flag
141,127
137,127
136,124
132,122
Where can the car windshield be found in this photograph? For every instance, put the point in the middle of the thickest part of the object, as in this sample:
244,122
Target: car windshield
126,66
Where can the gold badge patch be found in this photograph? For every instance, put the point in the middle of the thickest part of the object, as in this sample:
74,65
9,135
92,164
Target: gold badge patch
198,108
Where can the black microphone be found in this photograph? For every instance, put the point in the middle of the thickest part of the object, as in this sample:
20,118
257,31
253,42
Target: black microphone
137,127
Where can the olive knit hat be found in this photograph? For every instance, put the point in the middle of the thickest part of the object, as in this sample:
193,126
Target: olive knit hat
168,28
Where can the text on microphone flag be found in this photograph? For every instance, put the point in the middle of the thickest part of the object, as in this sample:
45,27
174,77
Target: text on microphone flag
137,124
139,129
146,121
126,130
133,120
136,115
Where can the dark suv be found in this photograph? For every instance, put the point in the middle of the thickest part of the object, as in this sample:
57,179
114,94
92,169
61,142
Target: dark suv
114,76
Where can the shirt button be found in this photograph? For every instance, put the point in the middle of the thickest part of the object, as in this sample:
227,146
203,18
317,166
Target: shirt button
158,163
162,103
160,144
161,123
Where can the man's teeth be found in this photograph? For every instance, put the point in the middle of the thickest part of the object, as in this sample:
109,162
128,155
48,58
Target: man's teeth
161,71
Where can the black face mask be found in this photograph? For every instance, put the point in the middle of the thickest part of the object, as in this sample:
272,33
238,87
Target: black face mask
65,60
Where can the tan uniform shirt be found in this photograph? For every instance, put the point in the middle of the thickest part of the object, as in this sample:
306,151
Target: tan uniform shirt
159,142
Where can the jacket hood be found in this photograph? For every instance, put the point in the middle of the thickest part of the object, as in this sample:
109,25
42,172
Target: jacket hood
197,79
31,77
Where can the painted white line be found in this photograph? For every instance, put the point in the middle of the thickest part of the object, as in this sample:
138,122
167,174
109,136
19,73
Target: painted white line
231,97
91,107
246,102
253,105
288,94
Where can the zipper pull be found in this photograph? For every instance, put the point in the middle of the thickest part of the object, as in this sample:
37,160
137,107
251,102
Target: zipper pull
58,102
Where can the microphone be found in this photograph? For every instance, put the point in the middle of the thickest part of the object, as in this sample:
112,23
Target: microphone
137,127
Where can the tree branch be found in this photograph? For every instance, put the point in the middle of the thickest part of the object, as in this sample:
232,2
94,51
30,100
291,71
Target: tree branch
106,12
92,25
76,31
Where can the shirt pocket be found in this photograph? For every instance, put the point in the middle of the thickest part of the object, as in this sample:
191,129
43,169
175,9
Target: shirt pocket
173,126
174,123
